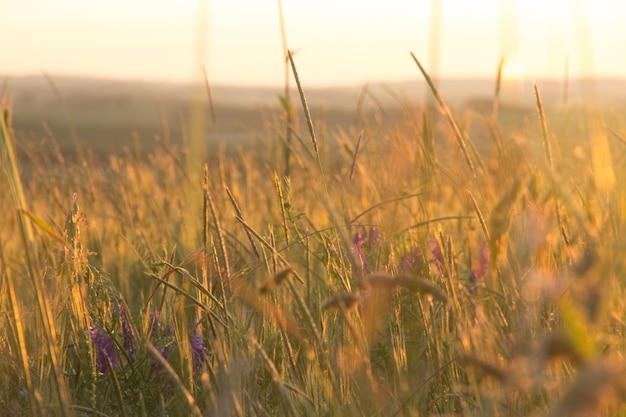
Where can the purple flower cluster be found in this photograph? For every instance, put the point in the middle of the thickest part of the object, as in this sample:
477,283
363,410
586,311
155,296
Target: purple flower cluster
411,262
437,255
105,348
199,352
162,337
357,248
478,274
375,236
128,332
360,240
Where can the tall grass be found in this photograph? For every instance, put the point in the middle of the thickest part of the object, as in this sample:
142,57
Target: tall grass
410,269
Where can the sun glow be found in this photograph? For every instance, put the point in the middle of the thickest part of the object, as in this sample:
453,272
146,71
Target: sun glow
513,70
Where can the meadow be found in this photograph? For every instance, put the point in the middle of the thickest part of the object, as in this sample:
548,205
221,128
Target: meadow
429,261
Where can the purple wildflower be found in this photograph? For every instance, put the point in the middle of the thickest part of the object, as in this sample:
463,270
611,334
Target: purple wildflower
199,352
155,327
161,337
357,247
437,255
106,348
359,239
170,343
477,274
168,347
128,332
375,236
410,261
483,261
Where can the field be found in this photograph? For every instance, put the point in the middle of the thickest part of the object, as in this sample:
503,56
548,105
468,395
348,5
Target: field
375,258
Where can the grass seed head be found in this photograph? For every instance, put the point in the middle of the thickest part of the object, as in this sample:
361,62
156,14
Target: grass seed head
422,287
487,369
559,345
597,386
382,282
347,300
276,280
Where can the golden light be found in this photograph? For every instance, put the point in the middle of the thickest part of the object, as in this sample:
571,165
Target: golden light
513,69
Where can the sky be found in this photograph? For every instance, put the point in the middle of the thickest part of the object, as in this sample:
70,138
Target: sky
336,42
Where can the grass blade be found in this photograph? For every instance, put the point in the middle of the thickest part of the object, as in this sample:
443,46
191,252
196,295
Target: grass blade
448,116
189,399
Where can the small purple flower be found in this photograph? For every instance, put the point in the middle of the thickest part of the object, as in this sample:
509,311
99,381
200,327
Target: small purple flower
410,261
105,347
437,255
375,236
199,352
155,327
170,343
359,239
169,346
477,274
162,338
483,261
128,332
357,247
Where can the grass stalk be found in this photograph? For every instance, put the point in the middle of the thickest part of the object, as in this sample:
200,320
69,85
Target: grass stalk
496,96
383,203
547,148
10,163
305,106
288,107
78,146
356,153
117,388
207,87
481,218
283,210
225,276
240,215
287,404
448,116
178,384
190,296
20,206
205,229
21,341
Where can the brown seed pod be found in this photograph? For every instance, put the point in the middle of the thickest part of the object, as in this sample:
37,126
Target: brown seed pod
421,286
276,280
487,369
382,282
347,300
559,345
597,386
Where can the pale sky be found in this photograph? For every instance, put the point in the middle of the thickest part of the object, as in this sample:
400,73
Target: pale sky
337,41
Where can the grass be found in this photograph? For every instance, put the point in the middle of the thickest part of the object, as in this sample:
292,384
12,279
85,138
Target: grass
414,266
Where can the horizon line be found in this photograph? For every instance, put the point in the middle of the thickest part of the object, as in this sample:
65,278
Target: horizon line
232,84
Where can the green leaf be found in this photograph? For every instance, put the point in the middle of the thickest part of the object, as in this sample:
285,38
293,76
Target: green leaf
286,105
43,225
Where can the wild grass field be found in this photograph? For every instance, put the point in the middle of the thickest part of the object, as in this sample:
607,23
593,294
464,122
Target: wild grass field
405,266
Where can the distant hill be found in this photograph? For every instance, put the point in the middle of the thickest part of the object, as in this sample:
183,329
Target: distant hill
110,114
456,91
